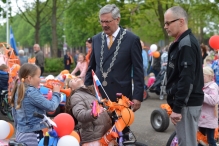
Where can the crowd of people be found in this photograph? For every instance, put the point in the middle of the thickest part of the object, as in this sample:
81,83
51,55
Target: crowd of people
120,60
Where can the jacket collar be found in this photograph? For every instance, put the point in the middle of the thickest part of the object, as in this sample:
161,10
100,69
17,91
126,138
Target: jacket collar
207,84
113,48
3,72
185,33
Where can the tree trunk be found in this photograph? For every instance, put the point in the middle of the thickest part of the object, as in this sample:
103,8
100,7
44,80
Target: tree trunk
35,19
37,24
161,19
37,33
54,49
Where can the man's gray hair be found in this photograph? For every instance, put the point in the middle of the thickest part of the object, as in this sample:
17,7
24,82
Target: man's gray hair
110,8
179,12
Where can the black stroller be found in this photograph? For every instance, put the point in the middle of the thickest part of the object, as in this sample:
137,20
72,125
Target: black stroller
159,86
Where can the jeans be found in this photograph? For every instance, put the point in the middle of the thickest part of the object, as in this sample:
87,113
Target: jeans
210,135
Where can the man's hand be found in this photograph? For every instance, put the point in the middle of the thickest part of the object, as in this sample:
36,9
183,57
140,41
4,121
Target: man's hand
175,117
136,105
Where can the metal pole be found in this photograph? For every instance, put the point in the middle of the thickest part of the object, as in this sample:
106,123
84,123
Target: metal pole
7,27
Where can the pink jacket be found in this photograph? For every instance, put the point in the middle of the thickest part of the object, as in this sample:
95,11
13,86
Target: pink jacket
208,117
151,81
82,67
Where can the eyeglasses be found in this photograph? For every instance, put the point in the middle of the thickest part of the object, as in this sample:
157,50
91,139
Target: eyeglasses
169,22
107,22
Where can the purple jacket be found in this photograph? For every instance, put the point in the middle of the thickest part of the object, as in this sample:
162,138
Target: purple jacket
208,117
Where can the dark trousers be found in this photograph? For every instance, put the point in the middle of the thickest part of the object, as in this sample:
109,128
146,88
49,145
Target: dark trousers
42,70
67,67
210,135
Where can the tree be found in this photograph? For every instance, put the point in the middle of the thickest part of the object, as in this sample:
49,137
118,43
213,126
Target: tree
58,8
35,15
82,19
5,8
154,15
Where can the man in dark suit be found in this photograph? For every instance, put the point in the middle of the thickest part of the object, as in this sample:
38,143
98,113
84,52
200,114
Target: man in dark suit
115,52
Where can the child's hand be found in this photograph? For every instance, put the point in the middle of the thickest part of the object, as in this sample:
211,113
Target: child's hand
56,88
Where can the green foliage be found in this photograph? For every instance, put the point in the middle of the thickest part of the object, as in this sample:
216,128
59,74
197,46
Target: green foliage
3,33
79,21
23,32
4,9
55,65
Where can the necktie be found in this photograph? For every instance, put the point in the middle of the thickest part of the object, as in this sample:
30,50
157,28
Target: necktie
110,41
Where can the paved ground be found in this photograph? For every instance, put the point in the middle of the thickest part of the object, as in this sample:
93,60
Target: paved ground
142,127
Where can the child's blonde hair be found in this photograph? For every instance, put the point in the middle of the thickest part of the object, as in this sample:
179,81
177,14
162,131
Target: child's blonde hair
67,83
208,71
26,70
208,58
151,75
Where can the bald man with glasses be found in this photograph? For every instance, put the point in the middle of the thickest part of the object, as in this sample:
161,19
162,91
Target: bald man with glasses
184,76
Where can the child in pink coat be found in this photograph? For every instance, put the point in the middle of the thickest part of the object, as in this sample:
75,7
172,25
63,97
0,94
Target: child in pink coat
81,66
208,119
151,80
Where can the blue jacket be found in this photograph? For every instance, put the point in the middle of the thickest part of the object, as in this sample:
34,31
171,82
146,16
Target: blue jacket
23,59
33,101
145,59
3,81
145,63
215,67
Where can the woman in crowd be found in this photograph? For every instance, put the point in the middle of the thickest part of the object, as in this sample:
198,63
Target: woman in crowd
68,60
89,49
204,51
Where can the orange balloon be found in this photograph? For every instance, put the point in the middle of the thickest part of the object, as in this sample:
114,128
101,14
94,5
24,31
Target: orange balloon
11,131
75,135
127,118
156,54
64,72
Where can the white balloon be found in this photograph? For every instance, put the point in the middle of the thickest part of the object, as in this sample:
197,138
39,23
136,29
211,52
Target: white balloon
50,77
153,48
68,140
4,129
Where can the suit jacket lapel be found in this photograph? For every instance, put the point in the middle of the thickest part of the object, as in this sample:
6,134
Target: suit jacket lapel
109,53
